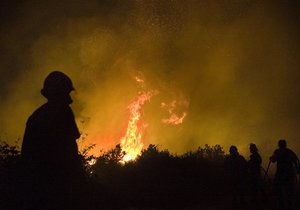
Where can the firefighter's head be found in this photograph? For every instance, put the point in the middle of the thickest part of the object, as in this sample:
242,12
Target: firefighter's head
233,150
253,148
57,87
282,143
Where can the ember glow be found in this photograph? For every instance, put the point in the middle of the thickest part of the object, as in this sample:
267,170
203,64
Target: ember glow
131,143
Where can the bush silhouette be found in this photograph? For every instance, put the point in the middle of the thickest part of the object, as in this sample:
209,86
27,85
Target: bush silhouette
10,179
156,179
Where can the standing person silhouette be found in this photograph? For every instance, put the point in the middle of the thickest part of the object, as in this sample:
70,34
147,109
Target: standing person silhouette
236,169
255,177
49,147
286,175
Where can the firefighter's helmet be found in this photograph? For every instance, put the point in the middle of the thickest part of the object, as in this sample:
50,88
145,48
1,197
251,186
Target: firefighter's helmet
57,83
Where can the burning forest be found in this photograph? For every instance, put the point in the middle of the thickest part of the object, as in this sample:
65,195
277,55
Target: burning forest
160,91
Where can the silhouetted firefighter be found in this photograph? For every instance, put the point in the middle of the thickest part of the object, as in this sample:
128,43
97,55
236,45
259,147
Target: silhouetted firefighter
255,177
236,169
49,148
286,175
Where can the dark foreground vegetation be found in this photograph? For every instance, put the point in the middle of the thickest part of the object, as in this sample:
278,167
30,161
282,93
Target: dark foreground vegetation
156,180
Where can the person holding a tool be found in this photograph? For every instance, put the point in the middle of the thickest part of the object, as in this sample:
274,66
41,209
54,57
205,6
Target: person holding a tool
286,174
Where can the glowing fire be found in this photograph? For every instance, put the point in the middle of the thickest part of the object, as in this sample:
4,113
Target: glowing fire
174,118
131,143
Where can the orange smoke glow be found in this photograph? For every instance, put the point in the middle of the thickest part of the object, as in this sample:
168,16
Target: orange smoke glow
131,143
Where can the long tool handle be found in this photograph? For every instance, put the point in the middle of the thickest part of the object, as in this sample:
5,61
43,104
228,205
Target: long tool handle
266,172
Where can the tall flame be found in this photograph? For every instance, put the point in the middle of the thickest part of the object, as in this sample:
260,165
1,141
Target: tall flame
131,143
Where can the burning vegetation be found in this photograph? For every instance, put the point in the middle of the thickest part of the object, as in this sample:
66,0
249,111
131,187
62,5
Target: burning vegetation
131,143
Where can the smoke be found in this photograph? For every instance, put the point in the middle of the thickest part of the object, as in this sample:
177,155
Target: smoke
231,66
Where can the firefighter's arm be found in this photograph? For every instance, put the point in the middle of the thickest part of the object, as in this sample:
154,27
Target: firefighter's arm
297,165
273,158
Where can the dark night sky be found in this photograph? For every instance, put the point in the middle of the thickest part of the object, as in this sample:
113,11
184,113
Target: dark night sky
232,65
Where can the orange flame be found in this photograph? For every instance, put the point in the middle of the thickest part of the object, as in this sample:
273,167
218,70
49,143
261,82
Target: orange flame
131,143
174,118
